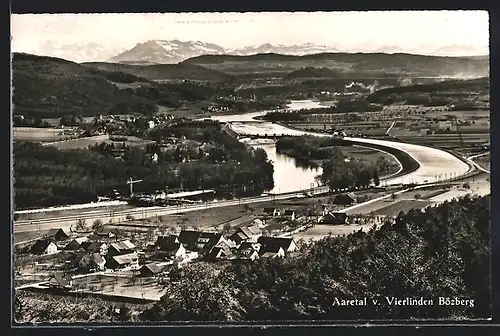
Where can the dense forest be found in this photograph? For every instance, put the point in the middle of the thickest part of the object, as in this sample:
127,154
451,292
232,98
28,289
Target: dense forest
48,87
47,176
443,252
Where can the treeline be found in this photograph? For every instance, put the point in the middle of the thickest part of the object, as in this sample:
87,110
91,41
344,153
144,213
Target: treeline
310,148
442,252
46,176
339,171
434,94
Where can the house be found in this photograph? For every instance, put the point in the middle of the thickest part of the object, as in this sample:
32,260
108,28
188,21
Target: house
123,261
44,247
289,214
75,244
345,199
271,251
89,261
245,233
197,240
95,247
189,239
57,234
248,250
219,252
258,223
271,212
209,240
60,280
119,248
104,233
268,243
165,241
334,218
170,249
150,270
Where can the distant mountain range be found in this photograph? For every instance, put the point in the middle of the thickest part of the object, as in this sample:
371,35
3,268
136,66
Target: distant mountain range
175,51
76,52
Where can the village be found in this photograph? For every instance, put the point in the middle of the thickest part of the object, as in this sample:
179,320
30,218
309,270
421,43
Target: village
130,263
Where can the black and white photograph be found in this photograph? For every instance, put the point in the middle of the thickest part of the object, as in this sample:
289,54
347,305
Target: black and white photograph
253,167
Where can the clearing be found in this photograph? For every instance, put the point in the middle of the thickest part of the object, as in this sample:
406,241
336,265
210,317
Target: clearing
40,134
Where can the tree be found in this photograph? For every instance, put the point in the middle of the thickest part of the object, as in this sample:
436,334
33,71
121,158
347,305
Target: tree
466,186
376,179
226,228
81,224
97,225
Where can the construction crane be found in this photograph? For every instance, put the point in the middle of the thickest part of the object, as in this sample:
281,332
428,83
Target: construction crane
131,183
459,132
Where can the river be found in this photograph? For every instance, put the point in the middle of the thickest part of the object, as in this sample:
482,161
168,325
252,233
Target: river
288,176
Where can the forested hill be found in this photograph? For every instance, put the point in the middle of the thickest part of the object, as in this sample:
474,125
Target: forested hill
53,87
396,63
473,92
182,71
443,252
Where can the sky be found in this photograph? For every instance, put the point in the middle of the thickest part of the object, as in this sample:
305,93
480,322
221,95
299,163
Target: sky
405,29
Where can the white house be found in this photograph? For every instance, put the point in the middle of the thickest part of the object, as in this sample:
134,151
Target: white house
151,124
44,247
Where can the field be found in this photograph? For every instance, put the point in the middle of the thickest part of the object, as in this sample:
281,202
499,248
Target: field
117,286
402,205
321,231
39,134
484,161
90,141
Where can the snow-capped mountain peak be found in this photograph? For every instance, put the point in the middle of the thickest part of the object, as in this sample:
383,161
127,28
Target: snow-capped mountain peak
168,51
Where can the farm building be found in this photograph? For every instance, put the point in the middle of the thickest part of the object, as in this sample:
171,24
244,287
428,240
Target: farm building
289,214
89,261
345,199
123,261
272,212
95,247
75,244
244,233
334,218
248,251
220,252
288,244
170,248
57,234
150,270
119,248
44,247
60,280
271,251
198,240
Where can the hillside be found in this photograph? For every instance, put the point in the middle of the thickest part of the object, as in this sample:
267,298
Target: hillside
464,94
165,71
51,87
404,64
